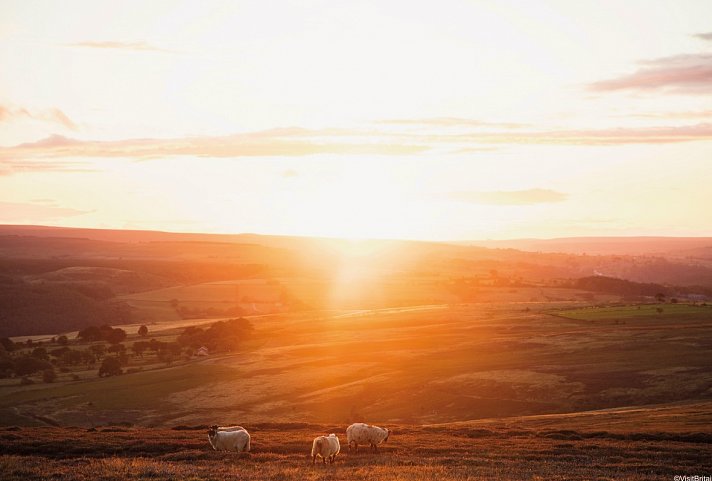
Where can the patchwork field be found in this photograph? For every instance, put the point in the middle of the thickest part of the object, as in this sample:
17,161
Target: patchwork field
645,312
428,364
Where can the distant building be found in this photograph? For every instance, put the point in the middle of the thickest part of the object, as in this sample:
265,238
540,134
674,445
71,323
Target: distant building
203,351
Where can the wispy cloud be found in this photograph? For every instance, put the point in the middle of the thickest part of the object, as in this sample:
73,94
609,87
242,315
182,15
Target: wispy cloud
507,197
62,153
704,36
54,116
682,114
613,136
688,74
278,142
114,45
450,122
10,167
29,212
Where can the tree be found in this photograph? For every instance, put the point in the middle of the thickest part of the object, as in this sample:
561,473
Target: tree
26,365
40,353
62,340
98,349
48,375
72,357
116,349
139,347
90,334
110,366
660,297
6,366
116,336
7,344
143,331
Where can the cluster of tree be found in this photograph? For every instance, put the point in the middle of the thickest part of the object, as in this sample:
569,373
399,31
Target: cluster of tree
613,285
37,308
103,333
43,359
221,336
160,348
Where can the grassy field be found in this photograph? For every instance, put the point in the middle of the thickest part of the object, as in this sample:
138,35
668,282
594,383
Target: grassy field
494,390
414,365
510,449
682,312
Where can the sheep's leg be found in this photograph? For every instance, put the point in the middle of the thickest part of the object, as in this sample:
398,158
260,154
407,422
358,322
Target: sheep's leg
313,458
323,459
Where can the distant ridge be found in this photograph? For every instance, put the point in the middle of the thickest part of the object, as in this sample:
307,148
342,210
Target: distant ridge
638,245
634,245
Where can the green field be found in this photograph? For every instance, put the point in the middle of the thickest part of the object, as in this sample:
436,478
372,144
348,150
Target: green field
640,311
428,365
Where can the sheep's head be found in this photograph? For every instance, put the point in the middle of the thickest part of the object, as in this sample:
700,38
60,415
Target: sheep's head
213,431
388,433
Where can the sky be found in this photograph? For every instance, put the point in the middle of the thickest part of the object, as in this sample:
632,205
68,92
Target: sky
448,120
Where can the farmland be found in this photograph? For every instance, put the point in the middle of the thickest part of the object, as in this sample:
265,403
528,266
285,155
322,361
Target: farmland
432,364
481,373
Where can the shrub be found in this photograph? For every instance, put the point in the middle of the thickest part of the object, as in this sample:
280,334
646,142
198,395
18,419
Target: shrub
40,353
7,344
26,365
48,375
110,366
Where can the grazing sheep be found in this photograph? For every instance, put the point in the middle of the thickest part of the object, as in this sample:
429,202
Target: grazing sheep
327,447
362,433
229,440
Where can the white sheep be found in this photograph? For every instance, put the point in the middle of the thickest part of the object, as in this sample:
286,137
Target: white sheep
229,440
362,433
227,428
327,447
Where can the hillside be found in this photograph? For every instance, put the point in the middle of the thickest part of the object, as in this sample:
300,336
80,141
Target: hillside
429,364
504,449
105,273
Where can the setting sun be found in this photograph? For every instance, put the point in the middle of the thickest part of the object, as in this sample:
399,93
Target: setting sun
357,120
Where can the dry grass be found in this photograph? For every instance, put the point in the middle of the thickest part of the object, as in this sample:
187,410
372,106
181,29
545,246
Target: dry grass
280,452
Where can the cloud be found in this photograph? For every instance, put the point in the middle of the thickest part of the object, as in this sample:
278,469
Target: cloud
44,154
112,45
28,212
277,142
10,167
686,74
508,197
54,116
704,36
683,114
451,122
